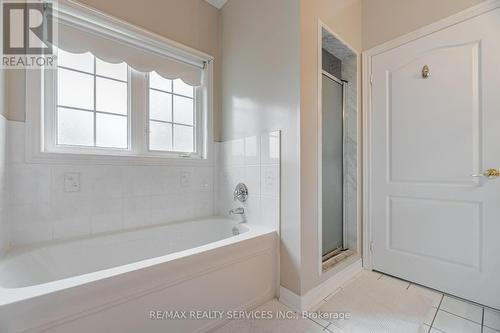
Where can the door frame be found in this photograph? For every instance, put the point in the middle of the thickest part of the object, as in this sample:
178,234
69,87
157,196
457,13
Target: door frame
319,112
367,81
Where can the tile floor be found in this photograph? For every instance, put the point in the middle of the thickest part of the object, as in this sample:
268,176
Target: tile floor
446,314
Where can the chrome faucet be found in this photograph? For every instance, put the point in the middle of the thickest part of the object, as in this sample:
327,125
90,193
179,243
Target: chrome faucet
237,211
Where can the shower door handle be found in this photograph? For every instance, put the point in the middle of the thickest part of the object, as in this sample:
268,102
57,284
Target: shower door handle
490,174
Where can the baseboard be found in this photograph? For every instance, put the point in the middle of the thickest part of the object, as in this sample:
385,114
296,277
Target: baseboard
314,296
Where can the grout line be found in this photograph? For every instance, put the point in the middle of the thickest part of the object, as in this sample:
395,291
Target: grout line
454,314
435,314
482,320
437,329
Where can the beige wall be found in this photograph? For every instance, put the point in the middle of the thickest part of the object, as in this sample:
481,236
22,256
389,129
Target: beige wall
261,92
384,20
190,22
343,17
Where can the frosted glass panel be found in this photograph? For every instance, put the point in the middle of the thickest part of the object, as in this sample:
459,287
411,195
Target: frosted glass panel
160,136
82,62
75,89
183,110
183,138
160,105
114,71
111,96
111,131
158,82
75,127
183,89
332,167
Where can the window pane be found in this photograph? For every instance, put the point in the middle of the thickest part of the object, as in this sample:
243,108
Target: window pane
183,110
114,71
160,136
111,96
158,82
82,62
183,138
111,131
160,105
75,89
183,89
75,127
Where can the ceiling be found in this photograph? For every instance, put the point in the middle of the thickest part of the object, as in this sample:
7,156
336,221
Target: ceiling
217,3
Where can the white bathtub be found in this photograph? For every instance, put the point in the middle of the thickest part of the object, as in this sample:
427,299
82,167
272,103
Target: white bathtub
111,283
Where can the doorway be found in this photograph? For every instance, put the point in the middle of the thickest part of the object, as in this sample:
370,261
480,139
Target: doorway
337,151
431,156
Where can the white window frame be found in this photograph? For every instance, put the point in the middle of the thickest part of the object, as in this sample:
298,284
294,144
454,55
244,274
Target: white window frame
198,126
41,106
50,119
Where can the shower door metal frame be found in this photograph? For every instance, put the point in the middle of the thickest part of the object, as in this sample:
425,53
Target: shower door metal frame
343,83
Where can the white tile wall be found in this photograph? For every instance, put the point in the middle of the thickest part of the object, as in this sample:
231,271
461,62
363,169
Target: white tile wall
3,189
255,161
110,198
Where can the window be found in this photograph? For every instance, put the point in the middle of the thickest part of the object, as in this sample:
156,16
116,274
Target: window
105,108
172,116
118,94
92,102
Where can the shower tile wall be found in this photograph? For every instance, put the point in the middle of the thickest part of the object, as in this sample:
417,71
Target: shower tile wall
331,64
349,73
254,161
3,191
110,198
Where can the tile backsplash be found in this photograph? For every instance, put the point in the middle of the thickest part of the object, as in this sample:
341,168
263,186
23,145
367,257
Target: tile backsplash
255,161
4,239
110,198
38,204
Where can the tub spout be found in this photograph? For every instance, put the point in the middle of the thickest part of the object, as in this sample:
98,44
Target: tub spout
237,211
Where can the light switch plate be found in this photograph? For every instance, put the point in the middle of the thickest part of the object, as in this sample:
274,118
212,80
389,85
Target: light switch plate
71,182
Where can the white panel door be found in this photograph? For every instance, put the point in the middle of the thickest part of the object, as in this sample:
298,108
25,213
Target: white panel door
432,222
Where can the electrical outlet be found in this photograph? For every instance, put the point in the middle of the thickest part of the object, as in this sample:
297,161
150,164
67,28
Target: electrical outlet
185,179
71,182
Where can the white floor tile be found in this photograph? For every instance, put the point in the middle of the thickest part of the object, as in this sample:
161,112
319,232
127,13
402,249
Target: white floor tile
432,294
394,281
450,323
424,329
489,330
334,329
332,294
430,316
492,318
433,330
271,325
462,309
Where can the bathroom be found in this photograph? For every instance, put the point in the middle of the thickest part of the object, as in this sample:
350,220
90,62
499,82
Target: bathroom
249,166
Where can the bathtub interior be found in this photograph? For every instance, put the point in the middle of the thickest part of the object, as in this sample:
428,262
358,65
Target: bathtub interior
55,261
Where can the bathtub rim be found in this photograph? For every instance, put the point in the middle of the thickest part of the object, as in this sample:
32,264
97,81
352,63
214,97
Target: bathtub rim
19,294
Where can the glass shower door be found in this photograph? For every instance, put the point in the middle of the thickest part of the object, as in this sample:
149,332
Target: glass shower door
332,165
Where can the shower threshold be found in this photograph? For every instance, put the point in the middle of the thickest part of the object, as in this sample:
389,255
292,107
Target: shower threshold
335,257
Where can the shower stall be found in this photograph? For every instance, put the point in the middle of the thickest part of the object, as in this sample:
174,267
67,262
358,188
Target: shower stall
337,153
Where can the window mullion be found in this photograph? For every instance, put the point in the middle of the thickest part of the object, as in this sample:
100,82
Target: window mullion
172,111
95,104
139,113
